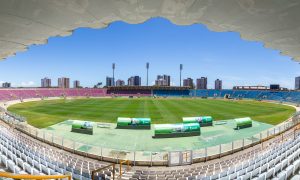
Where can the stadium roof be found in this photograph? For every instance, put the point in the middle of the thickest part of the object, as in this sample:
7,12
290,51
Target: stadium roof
276,23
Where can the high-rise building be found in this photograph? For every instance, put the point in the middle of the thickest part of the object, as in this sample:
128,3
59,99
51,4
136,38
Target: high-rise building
201,83
109,81
188,82
163,80
134,81
120,82
64,82
297,83
6,85
218,84
76,84
45,82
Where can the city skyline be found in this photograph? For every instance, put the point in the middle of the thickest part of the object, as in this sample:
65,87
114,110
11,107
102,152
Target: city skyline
200,83
161,80
89,53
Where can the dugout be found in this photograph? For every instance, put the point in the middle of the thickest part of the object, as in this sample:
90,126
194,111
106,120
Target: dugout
243,122
202,120
82,127
176,130
133,123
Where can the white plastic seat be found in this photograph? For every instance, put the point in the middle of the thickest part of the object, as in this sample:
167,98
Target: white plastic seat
270,173
246,176
241,172
278,168
296,165
271,164
37,165
277,160
255,173
214,176
233,176
262,176
20,163
245,165
239,167
281,176
284,163
45,170
289,171
4,160
263,168
11,165
256,165
35,172
250,168
28,168
29,160
223,174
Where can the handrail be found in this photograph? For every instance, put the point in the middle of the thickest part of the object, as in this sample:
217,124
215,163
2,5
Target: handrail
105,167
27,176
121,163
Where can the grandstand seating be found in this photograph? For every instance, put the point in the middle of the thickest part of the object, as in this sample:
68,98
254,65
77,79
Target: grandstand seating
15,94
281,96
279,162
171,92
131,92
23,155
24,93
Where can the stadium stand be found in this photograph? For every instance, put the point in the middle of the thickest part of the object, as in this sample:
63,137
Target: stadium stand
281,96
16,94
171,92
278,158
130,92
279,162
24,93
23,155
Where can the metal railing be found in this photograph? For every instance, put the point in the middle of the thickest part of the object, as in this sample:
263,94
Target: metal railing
127,162
103,168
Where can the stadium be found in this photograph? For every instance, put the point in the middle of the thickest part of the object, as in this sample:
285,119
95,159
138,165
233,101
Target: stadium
149,132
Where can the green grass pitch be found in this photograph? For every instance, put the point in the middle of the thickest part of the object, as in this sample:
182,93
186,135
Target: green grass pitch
42,114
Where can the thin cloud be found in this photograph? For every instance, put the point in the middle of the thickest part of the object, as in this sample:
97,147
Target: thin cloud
27,83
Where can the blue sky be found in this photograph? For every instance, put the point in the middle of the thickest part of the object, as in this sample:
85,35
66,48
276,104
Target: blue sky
87,56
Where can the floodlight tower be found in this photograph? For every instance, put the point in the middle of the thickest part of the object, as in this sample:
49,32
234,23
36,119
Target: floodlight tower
113,68
180,69
147,67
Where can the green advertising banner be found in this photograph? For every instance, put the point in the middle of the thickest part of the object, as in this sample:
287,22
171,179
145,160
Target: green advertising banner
200,119
132,123
84,127
243,122
176,128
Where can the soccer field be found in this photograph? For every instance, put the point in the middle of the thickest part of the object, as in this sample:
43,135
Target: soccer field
45,113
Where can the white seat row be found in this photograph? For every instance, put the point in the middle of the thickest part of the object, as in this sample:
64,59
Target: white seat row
279,163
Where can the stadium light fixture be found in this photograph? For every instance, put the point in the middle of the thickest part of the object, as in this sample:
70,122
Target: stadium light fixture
113,67
180,68
147,67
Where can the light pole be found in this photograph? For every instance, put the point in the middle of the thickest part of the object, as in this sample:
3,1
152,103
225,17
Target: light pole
147,67
180,68
113,68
